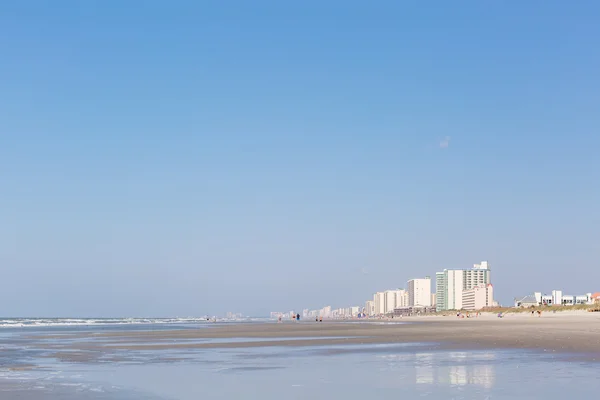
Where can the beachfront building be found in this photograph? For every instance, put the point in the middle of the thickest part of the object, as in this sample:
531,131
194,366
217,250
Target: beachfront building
402,298
419,292
555,298
379,302
449,288
526,302
441,288
478,297
451,283
390,301
433,299
370,308
386,302
596,298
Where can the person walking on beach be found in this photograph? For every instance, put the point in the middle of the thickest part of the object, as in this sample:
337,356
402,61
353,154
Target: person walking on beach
297,317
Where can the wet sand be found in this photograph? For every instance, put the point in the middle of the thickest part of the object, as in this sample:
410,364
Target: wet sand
561,332
170,358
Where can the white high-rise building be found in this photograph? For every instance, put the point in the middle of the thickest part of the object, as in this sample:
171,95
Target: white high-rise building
451,283
401,298
370,307
390,301
419,292
379,303
386,302
478,297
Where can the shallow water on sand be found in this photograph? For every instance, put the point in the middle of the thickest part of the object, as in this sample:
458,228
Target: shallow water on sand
315,372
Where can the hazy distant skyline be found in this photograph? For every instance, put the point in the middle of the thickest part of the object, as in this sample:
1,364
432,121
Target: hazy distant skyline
192,158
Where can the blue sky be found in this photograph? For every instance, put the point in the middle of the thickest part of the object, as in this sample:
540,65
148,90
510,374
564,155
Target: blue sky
191,158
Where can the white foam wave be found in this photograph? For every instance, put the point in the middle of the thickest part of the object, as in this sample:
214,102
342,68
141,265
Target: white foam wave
43,322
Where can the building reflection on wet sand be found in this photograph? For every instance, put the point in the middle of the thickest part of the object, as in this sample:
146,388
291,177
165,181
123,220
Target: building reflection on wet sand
454,369
457,369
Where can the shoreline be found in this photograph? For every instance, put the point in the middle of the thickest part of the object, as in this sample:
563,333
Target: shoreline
556,337
559,333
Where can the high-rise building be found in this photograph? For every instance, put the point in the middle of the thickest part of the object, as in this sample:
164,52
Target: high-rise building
390,301
379,302
441,283
419,292
451,283
478,297
370,307
401,298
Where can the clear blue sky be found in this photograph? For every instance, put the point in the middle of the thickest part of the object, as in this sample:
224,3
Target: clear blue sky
189,157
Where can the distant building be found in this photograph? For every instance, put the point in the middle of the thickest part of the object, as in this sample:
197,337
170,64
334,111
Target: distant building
386,302
556,298
451,283
419,292
433,299
402,300
596,297
526,302
478,297
390,301
370,308
379,303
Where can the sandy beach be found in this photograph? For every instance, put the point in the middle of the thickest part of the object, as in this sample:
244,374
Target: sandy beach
446,356
560,332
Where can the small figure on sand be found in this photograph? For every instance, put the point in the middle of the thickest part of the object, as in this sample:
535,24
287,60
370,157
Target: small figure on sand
539,313
297,317
279,320
320,319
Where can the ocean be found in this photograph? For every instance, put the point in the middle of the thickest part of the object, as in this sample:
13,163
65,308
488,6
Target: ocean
88,359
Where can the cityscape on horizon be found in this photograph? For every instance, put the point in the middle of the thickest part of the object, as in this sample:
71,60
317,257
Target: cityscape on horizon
468,289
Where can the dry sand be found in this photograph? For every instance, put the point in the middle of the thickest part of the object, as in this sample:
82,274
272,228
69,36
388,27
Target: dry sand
560,332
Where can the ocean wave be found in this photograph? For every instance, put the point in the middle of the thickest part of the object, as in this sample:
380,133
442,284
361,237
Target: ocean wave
41,322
